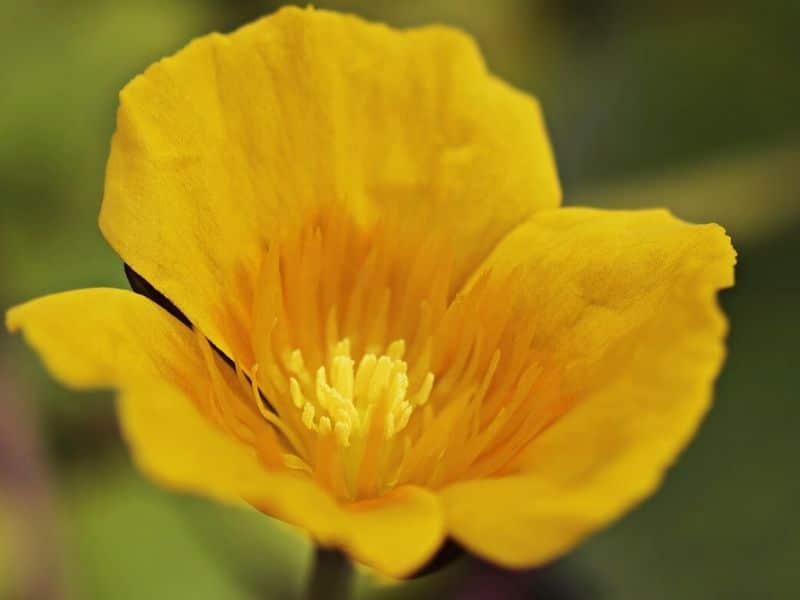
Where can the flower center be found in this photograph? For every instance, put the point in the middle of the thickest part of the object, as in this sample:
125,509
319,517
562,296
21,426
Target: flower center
351,401
356,411
369,371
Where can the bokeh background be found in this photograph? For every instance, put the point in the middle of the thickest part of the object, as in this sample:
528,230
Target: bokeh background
685,104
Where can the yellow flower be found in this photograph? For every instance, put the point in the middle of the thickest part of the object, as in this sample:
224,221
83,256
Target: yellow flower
396,334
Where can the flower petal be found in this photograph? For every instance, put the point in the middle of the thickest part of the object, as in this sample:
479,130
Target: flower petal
235,136
627,305
114,338
395,534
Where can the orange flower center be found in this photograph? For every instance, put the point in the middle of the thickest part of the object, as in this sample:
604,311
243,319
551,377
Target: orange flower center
374,373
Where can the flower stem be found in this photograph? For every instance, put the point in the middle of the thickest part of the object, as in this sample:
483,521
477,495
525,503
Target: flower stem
331,575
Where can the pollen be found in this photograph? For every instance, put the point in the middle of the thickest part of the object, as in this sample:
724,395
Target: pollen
352,400
375,367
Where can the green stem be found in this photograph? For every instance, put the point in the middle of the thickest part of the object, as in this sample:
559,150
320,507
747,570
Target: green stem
331,575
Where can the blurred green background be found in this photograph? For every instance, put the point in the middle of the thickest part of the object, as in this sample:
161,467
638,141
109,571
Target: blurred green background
689,105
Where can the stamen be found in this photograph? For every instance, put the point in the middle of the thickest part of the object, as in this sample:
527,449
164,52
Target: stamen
379,374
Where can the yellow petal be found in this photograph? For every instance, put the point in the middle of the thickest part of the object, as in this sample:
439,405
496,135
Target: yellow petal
106,337
114,338
238,135
626,303
395,534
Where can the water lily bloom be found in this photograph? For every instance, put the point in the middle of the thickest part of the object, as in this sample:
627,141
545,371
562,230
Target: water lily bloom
380,326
